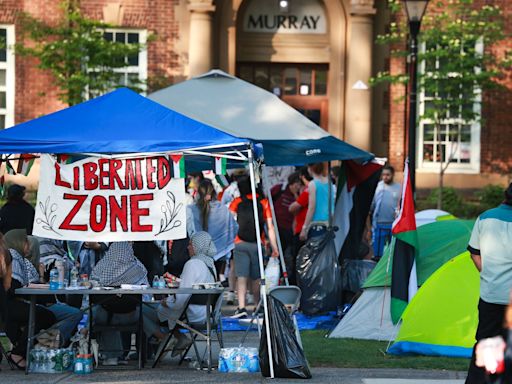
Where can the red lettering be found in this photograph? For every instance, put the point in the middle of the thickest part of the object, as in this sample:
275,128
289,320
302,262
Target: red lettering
118,213
137,212
115,166
90,177
129,176
138,174
101,203
150,170
164,172
58,179
103,174
66,224
76,178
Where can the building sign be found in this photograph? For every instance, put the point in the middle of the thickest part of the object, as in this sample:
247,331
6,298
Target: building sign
98,199
302,16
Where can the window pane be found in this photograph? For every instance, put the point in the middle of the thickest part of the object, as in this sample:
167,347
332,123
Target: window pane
428,152
108,36
305,82
2,76
276,78
290,81
261,77
133,79
245,73
2,99
465,152
465,134
133,59
120,37
3,42
428,133
321,82
133,38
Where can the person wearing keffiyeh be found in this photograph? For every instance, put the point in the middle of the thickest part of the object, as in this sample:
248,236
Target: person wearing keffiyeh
118,266
199,269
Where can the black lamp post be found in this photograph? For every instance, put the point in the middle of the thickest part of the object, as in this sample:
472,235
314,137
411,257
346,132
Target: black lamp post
415,10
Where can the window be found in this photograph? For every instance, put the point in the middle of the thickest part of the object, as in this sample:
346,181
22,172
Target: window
458,140
137,65
6,76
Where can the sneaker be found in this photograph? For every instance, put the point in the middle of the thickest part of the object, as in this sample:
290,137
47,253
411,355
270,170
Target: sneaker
240,313
250,299
230,298
111,362
123,361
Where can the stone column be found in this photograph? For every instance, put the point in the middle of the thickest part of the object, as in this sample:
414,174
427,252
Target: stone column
200,53
358,99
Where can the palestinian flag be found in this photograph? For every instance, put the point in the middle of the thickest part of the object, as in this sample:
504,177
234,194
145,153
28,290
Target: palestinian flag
178,166
9,168
25,163
404,281
64,159
2,186
220,165
355,190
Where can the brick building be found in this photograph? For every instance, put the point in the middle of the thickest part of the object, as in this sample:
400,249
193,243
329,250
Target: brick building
317,54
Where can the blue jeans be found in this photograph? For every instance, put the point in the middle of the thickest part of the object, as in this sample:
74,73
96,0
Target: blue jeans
381,235
67,318
151,321
316,230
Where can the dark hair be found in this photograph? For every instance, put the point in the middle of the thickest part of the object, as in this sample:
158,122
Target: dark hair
244,186
389,168
293,178
318,168
206,193
508,195
303,172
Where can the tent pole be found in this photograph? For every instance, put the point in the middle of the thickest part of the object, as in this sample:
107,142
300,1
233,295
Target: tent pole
263,292
274,220
329,180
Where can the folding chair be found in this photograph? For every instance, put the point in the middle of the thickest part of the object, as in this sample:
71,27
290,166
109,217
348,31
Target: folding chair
3,352
198,329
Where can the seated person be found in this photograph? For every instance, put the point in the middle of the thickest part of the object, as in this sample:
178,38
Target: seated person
87,254
199,269
67,317
118,266
51,251
14,274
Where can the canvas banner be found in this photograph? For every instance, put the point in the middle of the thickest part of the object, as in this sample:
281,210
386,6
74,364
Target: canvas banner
99,199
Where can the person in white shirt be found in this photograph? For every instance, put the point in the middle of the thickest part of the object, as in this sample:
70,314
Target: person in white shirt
199,269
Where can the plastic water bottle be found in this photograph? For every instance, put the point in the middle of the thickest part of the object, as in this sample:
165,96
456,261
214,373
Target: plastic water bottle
161,282
54,279
156,282
73,277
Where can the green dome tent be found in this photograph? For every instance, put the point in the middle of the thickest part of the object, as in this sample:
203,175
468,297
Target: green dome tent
369,318
442,317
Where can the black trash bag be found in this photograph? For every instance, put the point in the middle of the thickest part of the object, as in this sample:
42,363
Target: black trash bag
287,354
318,275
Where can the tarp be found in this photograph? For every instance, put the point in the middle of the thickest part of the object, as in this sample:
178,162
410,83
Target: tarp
442,317
247,111
439,242
119,122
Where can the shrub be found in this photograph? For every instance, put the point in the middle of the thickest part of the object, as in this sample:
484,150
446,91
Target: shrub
490,196
452,202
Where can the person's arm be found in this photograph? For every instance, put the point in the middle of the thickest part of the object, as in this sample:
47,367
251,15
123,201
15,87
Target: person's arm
311,210
477,260
474,246
294,208
272,237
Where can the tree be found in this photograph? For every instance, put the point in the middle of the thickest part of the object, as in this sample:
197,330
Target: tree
458,63
76,52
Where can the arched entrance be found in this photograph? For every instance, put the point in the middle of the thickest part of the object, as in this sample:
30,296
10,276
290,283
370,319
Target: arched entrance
298,53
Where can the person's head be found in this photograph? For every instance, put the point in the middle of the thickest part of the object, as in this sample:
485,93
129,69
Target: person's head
304,175
16,192
317,169
17,239
294,183
5,259
244,185
388,173
201,243
206,194
508,195
194,179
335,172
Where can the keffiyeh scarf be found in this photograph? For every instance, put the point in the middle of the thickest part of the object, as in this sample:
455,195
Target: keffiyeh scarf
22,269
119,266
204,249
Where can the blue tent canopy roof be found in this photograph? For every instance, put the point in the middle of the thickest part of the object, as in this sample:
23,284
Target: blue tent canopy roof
119,122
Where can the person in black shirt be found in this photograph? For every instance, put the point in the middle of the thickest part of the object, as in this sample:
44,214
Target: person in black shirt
16,213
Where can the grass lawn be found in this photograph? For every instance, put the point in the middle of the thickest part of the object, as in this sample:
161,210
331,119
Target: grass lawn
349,353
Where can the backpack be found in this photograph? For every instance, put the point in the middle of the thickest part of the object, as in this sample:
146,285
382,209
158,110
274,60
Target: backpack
245,219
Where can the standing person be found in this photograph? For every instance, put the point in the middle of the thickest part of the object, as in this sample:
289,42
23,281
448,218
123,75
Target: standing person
283,196
16,213
246,248
317,216
209,215
299,208
383,210
489,246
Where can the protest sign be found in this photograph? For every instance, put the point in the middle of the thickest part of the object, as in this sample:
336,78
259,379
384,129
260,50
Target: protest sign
104,199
